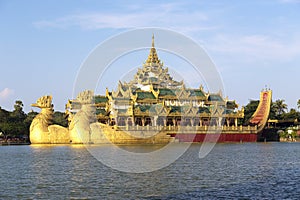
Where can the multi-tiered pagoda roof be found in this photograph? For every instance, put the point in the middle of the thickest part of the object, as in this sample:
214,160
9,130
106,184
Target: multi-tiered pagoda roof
153,93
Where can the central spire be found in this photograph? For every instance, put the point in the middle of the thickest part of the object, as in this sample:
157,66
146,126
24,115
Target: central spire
153,74
152,40
152,57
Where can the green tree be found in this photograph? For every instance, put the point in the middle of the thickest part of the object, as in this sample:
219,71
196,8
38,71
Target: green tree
7,128
249,110
60,119
17,115
279,108
298,104
4,115
12,123
292,115
18,105
273,110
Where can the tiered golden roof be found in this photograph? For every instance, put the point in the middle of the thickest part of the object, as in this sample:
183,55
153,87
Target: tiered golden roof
154,92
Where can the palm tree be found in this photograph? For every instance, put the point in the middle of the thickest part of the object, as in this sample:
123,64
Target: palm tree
280,107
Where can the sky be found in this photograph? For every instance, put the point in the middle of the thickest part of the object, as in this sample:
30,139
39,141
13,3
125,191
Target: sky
253,44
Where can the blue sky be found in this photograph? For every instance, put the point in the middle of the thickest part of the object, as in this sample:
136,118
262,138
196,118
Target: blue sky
252,43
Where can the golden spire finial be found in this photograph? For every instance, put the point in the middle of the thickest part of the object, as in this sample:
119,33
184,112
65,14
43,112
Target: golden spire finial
152,57
152,40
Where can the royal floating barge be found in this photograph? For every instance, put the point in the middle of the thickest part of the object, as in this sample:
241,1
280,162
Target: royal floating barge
153,102
153,108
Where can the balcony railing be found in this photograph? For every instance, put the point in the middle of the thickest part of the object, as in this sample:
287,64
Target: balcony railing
187,129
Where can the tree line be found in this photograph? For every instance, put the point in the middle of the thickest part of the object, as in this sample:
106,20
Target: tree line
16,123
279,111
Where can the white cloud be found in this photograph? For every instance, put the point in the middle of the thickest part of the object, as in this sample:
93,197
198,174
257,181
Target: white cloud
191,21
170,15
257,47
5,94
289,1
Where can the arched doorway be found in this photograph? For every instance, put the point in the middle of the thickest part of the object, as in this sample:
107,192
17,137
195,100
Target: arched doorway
129,121
170,121
196,122
121,121
148,121
188,122
138,121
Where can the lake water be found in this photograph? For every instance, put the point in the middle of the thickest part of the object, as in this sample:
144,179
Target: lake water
240,171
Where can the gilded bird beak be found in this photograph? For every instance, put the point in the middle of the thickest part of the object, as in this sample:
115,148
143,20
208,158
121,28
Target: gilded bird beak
35,105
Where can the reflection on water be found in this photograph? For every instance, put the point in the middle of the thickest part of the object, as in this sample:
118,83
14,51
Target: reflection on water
253,170
145,158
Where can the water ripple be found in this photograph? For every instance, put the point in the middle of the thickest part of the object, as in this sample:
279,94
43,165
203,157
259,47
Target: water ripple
239,171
